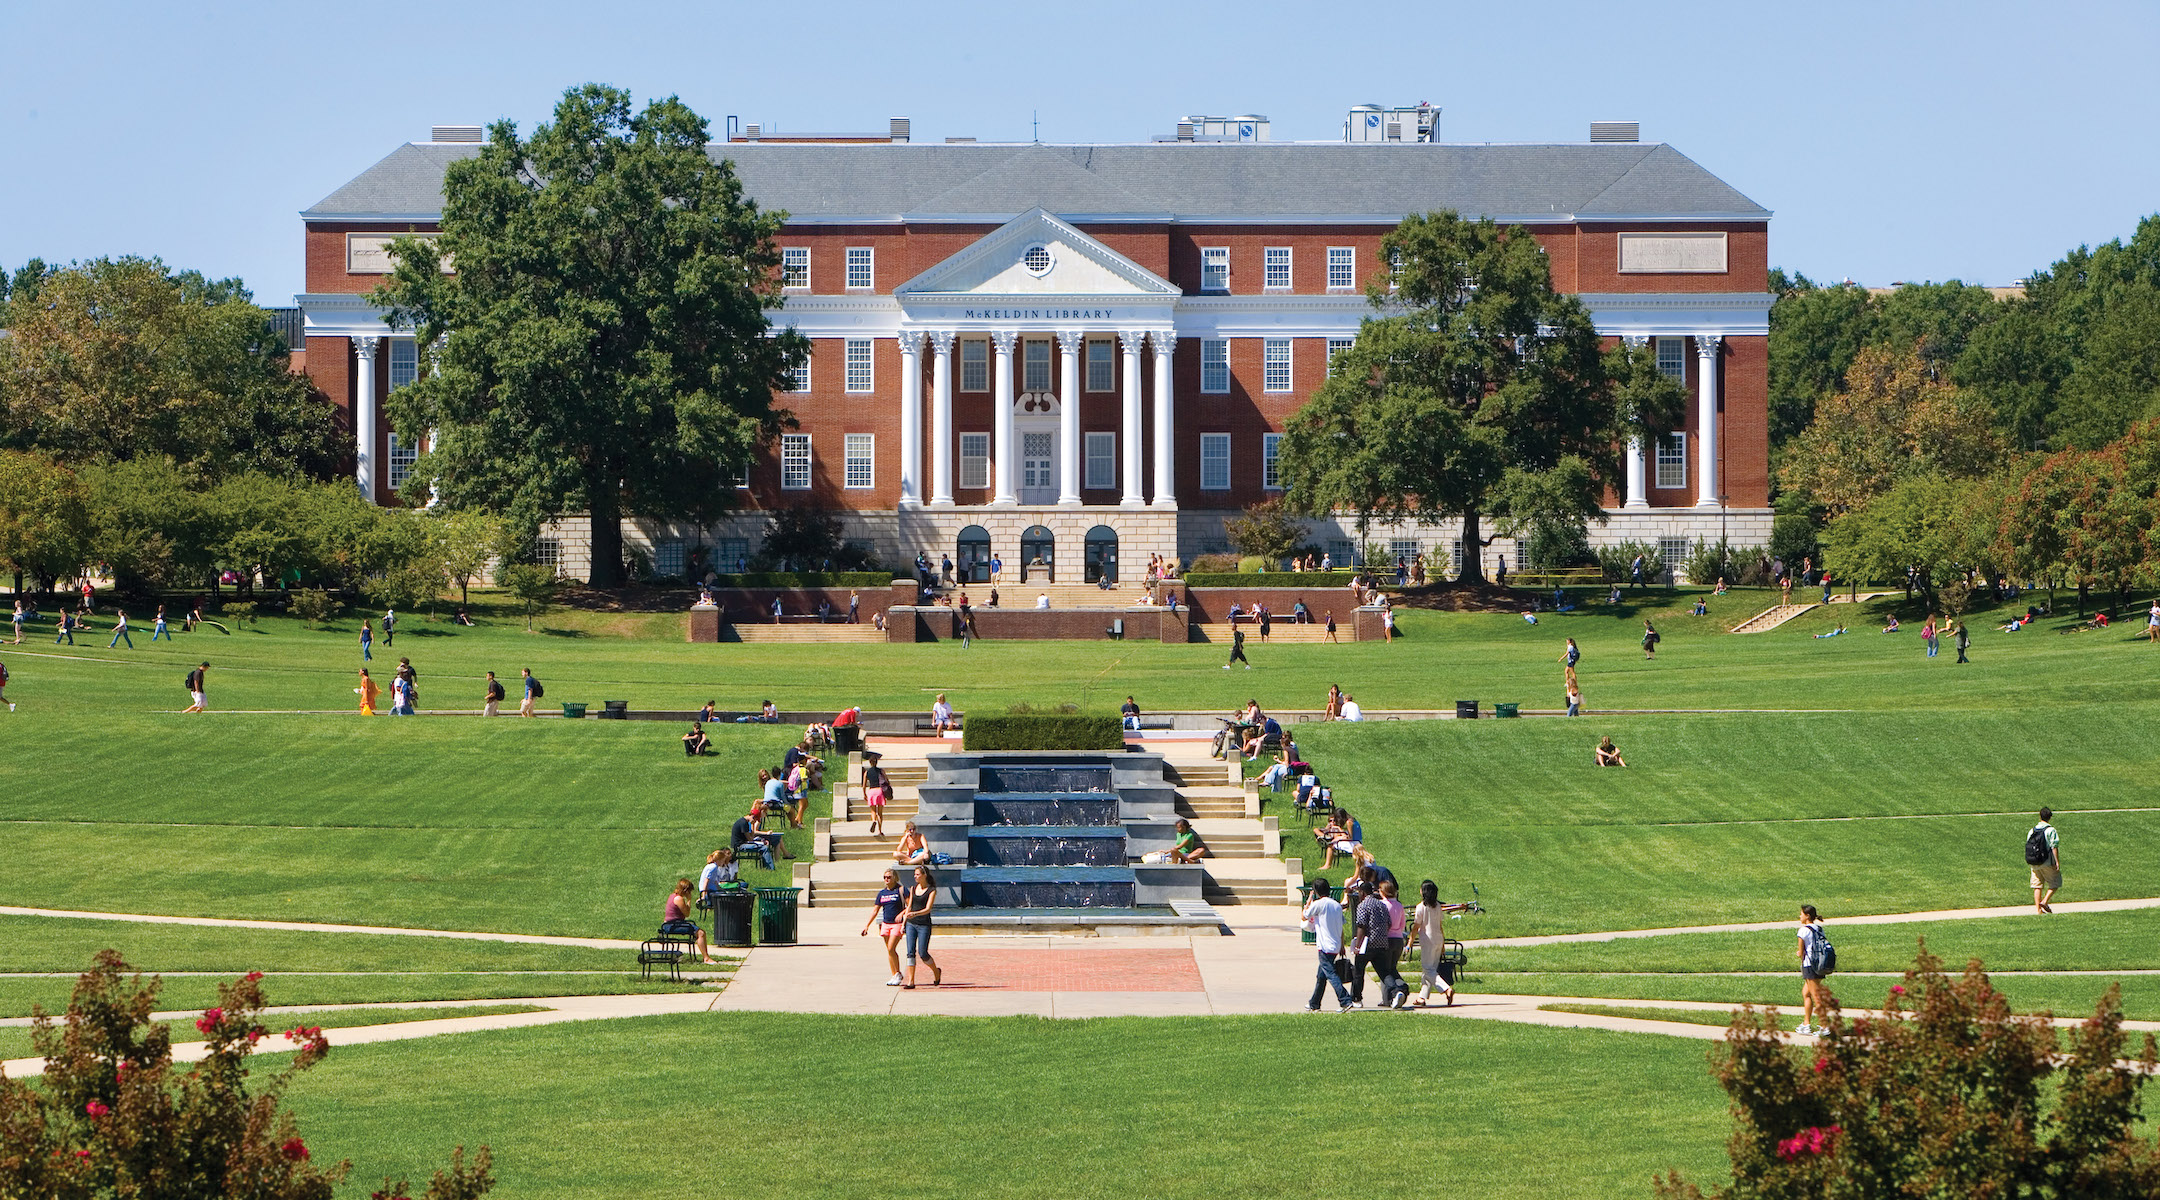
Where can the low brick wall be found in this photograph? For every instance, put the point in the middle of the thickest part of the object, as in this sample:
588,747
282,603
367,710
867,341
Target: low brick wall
1024,624
1212,605
753,606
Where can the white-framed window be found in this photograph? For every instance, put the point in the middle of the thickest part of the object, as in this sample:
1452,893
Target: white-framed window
1215,268
1341,267
1673,553
1672,461
1337,346
861,460
974,460
861,267
800,375
974,365
1270,448
1214,365
548,553
1276,375
740,472
1101,365
795,461
731,554
667,559
1215,462
1672,357
1102,460
1275,274
795,267
1394,266
1035,365
1406,549
404,363
860,375
1455,558
403,453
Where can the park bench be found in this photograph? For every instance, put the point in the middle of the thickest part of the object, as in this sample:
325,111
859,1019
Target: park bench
665,950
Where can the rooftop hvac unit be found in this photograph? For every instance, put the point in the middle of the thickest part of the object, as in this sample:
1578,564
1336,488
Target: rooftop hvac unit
1615,131
1373,123
901,128
752,131
455,133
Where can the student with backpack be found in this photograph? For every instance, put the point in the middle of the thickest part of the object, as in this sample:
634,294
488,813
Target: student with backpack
195,688
1818,958
2043,853
533,691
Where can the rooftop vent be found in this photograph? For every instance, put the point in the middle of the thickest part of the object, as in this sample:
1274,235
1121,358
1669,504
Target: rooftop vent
455,133
959,141
1372,123
752,131
901,128
1615,131
1185,131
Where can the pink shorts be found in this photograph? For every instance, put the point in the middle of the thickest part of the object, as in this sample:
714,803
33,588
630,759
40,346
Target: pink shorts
876,798
891,928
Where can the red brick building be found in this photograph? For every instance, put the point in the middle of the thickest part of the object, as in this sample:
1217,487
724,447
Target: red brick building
1085,353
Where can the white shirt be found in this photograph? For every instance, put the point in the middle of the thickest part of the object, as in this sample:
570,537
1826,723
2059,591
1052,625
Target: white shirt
941,711
1042,600
1351,711
1325,917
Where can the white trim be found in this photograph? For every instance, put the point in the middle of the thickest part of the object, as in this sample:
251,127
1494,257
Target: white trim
1215,440
869,260
1029,228
788,442
1270,465
1205,344
1267,268
804,286
1108,478
1677,441
868,349
1289,364
1224,253
1351,253
867,443
1682,314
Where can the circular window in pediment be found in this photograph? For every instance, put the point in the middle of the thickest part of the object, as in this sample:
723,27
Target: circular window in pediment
1038,260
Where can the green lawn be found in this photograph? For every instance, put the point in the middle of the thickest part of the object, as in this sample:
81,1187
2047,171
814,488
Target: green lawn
15,1041
18,994
2063,995
1686,1016
783,1104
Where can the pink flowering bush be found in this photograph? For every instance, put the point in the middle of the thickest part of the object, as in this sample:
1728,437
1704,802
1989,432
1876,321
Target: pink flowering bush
1940,1096
115,1116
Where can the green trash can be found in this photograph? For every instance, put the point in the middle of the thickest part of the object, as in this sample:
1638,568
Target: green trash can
1504,710
1304,894
573,712
776,915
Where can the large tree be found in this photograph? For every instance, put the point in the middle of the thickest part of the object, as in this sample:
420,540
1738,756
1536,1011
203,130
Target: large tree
1477,392
604,337
119,358
1894,419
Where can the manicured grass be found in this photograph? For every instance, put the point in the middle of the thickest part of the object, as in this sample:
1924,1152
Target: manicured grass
18,994
784,1104
1687,1016
56,944
15,1041
2063,995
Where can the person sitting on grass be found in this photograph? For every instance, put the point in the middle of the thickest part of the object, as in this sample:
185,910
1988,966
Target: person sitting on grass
1891,625
695,742
1721,588
461,618
1188,848
1702,608
1608,755
912,850
676,919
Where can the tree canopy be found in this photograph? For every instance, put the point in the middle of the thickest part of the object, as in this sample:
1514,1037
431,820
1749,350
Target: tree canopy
1477,391
119,358
1894,418
603,342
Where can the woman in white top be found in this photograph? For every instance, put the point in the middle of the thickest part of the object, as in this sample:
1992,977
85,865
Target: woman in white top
1430,924
1815,999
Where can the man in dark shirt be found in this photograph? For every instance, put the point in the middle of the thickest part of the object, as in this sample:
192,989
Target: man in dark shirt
746,840
493,707
1372,932
1131,712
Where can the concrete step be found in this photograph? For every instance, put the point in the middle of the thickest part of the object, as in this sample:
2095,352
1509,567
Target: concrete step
802,632
1771,618
1278,631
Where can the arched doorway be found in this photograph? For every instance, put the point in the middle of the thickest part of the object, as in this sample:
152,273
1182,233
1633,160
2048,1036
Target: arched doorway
1038,560
1101,557
971,555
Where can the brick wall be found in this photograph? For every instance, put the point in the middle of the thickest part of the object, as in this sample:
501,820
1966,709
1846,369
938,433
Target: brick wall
1211,605
1025,624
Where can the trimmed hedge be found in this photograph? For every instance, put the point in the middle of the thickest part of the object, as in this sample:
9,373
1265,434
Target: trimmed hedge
790,579
1242,579
1046,732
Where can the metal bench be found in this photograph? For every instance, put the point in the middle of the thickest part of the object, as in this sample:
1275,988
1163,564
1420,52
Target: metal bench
665,949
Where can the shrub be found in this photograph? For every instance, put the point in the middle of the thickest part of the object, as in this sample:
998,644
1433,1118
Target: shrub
1266,530
1032,731
115,1116
1211,564
1252,564
532,584
241,610
314,606
1942,1095
1617,561
1793,538
789,579
1274,579
1709,562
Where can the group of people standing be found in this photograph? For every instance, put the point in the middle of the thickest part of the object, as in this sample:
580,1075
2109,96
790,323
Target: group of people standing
1378,935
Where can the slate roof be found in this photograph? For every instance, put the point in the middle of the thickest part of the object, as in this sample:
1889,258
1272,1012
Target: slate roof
1252,181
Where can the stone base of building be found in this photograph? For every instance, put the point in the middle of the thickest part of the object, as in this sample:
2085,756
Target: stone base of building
896,537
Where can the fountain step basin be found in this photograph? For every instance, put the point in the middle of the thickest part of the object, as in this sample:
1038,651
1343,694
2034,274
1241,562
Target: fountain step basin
1045,776
1047,846
1048,887
1046,808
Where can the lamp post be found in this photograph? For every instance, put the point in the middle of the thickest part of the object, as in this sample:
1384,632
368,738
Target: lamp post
1724,546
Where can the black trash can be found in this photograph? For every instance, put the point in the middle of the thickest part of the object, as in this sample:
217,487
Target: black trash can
847,739
1466,710
615,710
776,916
731,916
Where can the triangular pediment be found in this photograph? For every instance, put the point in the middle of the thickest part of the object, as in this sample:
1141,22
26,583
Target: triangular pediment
1000,264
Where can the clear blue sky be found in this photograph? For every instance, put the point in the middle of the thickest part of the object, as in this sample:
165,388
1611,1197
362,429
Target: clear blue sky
1894,141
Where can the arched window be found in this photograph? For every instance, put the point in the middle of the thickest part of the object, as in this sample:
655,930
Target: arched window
1101,554
971,555
1038,558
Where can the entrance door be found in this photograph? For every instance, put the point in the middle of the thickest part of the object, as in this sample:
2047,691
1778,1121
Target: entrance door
1038,478
1101,555
1038,558
972,552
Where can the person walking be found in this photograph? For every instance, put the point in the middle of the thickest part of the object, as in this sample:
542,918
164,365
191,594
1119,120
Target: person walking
1323,916
2152,623
920,900
67,628
400,696
1387,623
157,628
1571,656
1371,927
533,691
389,627
1237,649
2043,853
1650,639
1930,636
1785,589
1816,959
1574,698
877,793
1331,627
885,913
367,641
854,608
21,614
367,691
1963,639
197,683
3,688
1431,925
411,679
120,630
1635,573
492,705
1398,940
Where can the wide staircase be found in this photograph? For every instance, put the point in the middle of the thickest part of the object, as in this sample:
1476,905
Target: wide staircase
1771,618
1278,631
1014,594
799,632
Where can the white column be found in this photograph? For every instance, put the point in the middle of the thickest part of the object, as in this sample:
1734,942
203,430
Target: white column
1165,344
1069,342
941,441
1001,401
1638,495
1706,432
1129,429
364,418
910,418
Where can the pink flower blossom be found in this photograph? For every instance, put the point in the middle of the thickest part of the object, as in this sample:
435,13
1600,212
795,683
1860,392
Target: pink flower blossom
1897,989
82,1154
254,976
1822,1063
95,1110
295,1150
254,1036
209,1020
